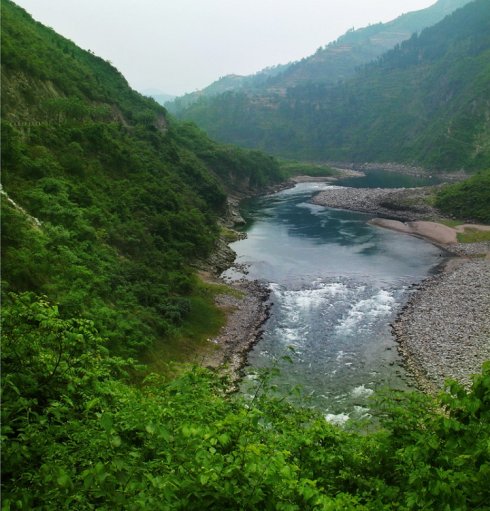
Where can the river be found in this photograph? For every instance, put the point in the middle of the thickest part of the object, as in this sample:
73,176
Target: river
336,285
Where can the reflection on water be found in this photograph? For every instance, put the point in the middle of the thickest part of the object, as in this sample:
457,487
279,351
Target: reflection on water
336,285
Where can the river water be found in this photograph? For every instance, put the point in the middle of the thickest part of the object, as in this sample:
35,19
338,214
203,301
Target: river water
336,285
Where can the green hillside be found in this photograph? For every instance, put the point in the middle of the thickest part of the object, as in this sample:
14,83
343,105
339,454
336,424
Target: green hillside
126,199
329,64
339,60
425,102
228,83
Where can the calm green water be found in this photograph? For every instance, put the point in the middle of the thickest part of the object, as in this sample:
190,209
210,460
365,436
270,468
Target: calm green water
336,284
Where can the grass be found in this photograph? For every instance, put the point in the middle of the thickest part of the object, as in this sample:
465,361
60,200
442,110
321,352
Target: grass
450,222
473,236
190,345
229,235
469,235
292,168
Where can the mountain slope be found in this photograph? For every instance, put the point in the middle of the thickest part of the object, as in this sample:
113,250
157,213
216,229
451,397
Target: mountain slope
126,198
339,60
425,102
332,63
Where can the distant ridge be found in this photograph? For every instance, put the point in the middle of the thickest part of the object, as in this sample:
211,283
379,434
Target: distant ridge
159,96
426,102
334,62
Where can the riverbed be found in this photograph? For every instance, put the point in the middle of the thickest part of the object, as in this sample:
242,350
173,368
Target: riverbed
336,285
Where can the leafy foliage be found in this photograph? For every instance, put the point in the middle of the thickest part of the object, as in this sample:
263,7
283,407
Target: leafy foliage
469,199
76,436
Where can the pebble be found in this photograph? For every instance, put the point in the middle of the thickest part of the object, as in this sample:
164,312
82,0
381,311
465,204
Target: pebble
444,330
246,313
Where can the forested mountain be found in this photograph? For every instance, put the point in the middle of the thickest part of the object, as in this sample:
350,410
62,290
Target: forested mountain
427,102
332,63
340,59
111,200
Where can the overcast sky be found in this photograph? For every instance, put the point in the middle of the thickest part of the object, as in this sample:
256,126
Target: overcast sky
179,46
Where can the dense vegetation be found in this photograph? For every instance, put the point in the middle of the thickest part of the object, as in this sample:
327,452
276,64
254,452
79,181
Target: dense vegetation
469,200
125,198
76,436
425,102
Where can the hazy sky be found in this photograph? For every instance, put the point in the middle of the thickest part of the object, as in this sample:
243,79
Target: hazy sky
179,46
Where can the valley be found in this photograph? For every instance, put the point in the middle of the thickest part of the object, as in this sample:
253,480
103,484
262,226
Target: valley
275,298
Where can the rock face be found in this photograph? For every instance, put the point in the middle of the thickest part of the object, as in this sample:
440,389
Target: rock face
220,259
444,331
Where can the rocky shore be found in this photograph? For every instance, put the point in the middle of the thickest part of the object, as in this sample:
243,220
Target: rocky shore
247,309
444,330
404,204
245,303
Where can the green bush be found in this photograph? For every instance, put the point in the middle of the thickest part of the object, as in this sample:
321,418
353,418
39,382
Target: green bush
469,200
77,436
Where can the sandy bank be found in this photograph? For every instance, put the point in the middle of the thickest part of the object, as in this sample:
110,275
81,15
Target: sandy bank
440,234
433,231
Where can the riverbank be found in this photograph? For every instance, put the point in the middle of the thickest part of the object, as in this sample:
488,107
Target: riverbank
444,329
244,302
246,308
438,233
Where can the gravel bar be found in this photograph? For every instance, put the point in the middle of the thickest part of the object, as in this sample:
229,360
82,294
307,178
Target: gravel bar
405,204
444,330
247,308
